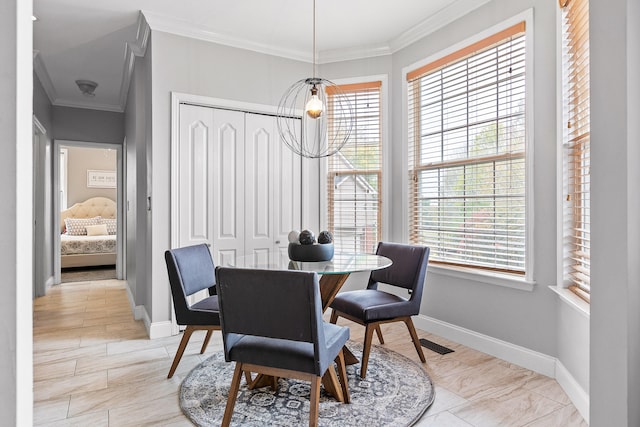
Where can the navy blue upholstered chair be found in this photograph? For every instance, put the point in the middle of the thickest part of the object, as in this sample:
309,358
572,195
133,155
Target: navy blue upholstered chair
272,325
372,307
191,270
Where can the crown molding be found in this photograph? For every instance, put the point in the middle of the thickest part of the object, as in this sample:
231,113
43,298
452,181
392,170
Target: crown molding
348,54
132,50
38,125
170,25
143,33
88,105
43,76
442,18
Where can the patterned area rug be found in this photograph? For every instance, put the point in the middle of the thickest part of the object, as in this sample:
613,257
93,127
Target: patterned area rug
396,392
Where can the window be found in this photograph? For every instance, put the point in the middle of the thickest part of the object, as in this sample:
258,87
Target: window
355,172
576,143
467,154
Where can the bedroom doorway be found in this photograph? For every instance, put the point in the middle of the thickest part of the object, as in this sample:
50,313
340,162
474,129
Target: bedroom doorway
88,211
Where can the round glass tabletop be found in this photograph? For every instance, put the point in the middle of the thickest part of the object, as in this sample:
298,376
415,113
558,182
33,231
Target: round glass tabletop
342,263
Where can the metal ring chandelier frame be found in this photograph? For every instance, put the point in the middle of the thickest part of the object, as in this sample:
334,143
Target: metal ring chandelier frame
327,122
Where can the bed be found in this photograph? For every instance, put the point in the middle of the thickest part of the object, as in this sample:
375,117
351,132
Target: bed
88,233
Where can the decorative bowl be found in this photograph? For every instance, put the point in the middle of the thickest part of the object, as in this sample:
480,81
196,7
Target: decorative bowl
311,253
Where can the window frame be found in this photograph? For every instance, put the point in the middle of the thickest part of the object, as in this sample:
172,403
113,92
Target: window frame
526,281
566,210
385,165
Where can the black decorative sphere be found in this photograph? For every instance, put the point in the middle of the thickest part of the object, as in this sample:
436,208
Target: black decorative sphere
307,237
325,237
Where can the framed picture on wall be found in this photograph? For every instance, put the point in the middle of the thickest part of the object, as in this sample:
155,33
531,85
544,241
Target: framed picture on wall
101,179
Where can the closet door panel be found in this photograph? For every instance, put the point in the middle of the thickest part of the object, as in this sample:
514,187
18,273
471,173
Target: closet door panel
259,192
288,196
229,181
260,188
196,127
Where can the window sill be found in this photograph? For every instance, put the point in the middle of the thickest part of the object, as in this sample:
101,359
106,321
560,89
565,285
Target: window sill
572,300
491,278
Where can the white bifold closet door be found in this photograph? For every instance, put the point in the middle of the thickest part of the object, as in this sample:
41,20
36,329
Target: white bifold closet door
239,186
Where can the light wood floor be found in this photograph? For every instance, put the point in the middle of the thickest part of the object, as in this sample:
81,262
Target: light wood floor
94,366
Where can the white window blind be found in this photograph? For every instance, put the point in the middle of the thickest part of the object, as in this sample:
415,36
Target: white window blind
355,172
467,154
576,142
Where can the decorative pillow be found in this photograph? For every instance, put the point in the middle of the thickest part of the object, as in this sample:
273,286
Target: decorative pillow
77,226
112,225
97,230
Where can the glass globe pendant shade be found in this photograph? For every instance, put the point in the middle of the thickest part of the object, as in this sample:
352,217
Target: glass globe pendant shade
326,123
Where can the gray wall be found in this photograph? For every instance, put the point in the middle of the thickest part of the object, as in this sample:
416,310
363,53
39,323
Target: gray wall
43,203
137,127
615,213
79,161
197,67
80,124
42,107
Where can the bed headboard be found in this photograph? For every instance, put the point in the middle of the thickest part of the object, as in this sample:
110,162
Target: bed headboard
95,206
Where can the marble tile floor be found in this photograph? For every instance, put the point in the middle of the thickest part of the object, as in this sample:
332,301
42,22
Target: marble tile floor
94,366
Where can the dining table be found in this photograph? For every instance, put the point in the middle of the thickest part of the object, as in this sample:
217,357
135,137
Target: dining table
333,274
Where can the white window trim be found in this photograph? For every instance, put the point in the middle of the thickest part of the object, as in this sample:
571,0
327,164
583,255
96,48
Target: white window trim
386,153
471,273
506,280
562,289
572,300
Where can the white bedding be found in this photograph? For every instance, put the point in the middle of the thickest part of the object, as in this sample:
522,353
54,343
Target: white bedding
70,245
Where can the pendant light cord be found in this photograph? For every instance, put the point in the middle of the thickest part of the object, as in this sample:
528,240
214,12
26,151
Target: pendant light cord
314,39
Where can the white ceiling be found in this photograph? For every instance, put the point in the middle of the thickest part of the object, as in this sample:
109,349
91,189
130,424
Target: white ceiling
80,39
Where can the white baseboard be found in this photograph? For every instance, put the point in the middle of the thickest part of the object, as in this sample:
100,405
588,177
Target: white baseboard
576,393
145,318
521,356
132,302
158,329
138,311
154,330
49,283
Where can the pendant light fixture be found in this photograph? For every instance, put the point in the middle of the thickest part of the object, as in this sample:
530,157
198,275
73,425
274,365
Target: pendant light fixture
310,96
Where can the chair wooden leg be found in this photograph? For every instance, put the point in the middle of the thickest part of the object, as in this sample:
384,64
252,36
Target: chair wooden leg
379,333
368,336
206,341
314,402
414,337
247,376
334,317
344,381
183,344
332,384
233,394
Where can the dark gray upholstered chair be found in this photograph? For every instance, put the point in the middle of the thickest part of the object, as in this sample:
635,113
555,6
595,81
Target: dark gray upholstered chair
191,270
272,325
372,307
